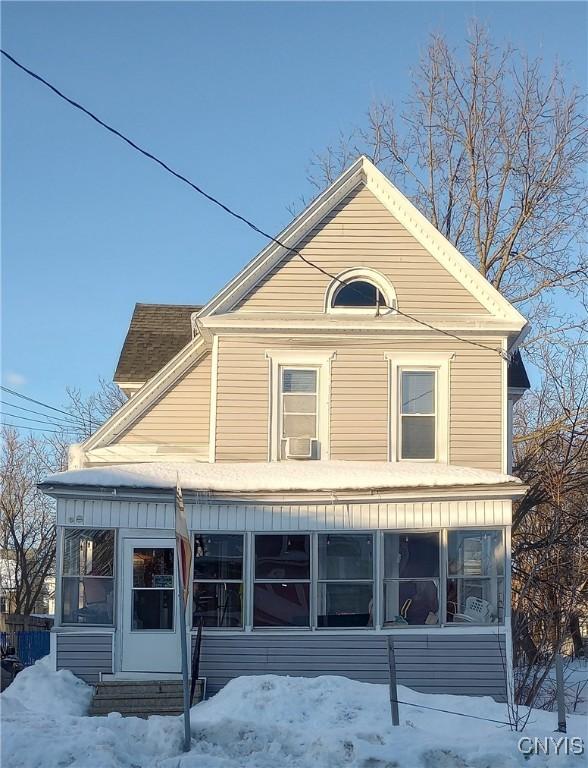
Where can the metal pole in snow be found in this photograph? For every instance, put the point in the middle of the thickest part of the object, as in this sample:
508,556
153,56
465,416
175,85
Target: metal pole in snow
184,651
561,704
393,688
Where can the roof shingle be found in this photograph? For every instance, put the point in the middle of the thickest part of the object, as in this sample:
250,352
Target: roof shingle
156,333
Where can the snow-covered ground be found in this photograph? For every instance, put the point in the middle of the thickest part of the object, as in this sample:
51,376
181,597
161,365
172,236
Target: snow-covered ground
575,687
267,722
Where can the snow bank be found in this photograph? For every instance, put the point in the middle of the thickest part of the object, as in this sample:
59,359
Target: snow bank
40,689
281,476
285,722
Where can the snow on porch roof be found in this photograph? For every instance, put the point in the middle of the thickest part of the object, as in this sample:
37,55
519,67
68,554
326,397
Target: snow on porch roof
325,476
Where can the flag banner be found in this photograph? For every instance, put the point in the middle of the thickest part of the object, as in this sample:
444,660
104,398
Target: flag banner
184,546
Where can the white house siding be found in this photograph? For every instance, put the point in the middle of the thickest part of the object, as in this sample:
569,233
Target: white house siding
251,516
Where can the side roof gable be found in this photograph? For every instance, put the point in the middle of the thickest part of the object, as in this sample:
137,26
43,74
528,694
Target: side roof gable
364,173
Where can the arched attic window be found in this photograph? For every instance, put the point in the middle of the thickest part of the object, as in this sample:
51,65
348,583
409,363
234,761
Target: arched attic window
362,291
358,293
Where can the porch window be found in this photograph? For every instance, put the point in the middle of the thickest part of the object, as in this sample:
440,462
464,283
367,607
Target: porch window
475,576
411,579
345,580
418,415
87,578
281,590
218,580
299,412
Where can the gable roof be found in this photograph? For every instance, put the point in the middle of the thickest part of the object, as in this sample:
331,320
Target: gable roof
364,172
156,333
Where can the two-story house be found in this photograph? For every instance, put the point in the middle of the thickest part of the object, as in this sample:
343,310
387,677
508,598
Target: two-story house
339,421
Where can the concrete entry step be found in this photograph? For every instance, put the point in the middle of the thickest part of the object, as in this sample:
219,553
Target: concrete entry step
141,698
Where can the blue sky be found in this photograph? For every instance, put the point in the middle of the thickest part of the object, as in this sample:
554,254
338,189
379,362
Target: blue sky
237,96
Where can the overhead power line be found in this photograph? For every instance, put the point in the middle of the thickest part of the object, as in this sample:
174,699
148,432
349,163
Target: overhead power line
32,429
54,419
229,210
37,421
32,400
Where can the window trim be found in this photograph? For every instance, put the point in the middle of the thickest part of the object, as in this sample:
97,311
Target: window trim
440,579
311,581
316,394
60,576
317,581
321,361
433,361
369,276
241,581
500,580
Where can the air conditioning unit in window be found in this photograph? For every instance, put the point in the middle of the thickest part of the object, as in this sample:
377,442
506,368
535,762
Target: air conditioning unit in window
300,447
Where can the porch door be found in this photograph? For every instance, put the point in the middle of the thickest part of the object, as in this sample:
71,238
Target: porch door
150,626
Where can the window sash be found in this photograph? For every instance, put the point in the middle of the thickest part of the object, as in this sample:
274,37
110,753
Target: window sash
306,415
80,577
72,540
82,581
402,415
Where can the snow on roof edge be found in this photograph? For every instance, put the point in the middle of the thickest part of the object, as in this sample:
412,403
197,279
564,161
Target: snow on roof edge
270,477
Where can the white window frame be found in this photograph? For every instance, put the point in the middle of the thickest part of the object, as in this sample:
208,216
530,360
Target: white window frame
305,359
242,580
439,362
369,276
61,576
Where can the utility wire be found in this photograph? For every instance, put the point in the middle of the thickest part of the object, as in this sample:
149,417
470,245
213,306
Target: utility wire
229,210
36,421
32,429
450,712
56,419
32,400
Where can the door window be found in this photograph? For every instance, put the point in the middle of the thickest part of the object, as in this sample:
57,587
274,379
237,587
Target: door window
153,588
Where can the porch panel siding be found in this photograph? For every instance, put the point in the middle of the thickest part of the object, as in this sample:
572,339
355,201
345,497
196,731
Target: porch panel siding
86,655
360,231
181,416
461,665
359,403
228,516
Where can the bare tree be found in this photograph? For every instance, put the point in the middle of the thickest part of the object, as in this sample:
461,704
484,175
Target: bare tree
550,525
27,530
493,152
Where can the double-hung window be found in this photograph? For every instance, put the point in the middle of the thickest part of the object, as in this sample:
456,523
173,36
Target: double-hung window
87,585
299,416
300,382
418,397
411,578
218,580
281,590
345,580
419,406
475,576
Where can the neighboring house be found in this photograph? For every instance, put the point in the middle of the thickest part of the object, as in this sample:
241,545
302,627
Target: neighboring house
45,603
343,446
